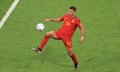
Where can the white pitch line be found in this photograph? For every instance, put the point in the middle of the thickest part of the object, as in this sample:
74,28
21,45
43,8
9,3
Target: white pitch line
12,7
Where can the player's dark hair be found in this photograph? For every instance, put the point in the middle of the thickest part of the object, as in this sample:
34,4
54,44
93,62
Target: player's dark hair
73,8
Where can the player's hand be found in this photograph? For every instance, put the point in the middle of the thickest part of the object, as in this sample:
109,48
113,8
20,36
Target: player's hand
46,20
81,39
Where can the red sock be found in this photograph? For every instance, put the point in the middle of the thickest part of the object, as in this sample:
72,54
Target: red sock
74,58
44,41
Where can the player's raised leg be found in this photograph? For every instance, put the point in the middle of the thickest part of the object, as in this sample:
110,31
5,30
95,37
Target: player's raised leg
50,34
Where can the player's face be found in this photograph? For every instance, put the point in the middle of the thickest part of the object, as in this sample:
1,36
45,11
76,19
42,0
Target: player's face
71,12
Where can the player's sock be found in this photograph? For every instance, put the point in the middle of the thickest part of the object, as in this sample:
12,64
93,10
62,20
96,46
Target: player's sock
74,60
44,41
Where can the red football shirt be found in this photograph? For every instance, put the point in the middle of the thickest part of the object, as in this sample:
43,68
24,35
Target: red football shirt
69,25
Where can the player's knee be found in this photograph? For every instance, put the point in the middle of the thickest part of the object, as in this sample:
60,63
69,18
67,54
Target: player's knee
49,34
70,53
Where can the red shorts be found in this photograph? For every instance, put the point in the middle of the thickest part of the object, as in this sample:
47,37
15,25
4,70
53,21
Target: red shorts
66,39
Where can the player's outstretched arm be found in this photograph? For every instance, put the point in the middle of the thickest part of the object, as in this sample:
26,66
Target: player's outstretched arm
52,20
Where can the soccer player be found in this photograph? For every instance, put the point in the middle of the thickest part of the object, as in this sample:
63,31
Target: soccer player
65,33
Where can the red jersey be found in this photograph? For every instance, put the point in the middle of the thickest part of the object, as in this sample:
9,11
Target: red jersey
69,25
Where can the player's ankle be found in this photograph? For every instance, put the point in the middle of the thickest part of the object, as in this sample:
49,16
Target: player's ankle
40,48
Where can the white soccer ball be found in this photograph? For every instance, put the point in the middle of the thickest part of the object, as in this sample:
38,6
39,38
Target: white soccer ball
40,27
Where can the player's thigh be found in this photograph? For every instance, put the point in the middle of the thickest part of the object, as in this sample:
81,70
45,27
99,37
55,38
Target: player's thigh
51,34
68,45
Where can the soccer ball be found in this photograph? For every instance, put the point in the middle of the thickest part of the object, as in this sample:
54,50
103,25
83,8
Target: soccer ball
40,27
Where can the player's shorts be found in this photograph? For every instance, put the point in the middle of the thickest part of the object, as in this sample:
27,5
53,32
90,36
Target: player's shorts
66,39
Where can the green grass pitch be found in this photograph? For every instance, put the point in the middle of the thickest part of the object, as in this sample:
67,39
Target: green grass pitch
100,51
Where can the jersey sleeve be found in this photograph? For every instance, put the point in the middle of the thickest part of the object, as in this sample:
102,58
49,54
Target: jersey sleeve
79,24
62,17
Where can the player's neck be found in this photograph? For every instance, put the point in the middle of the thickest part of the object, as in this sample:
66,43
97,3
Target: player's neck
72,16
